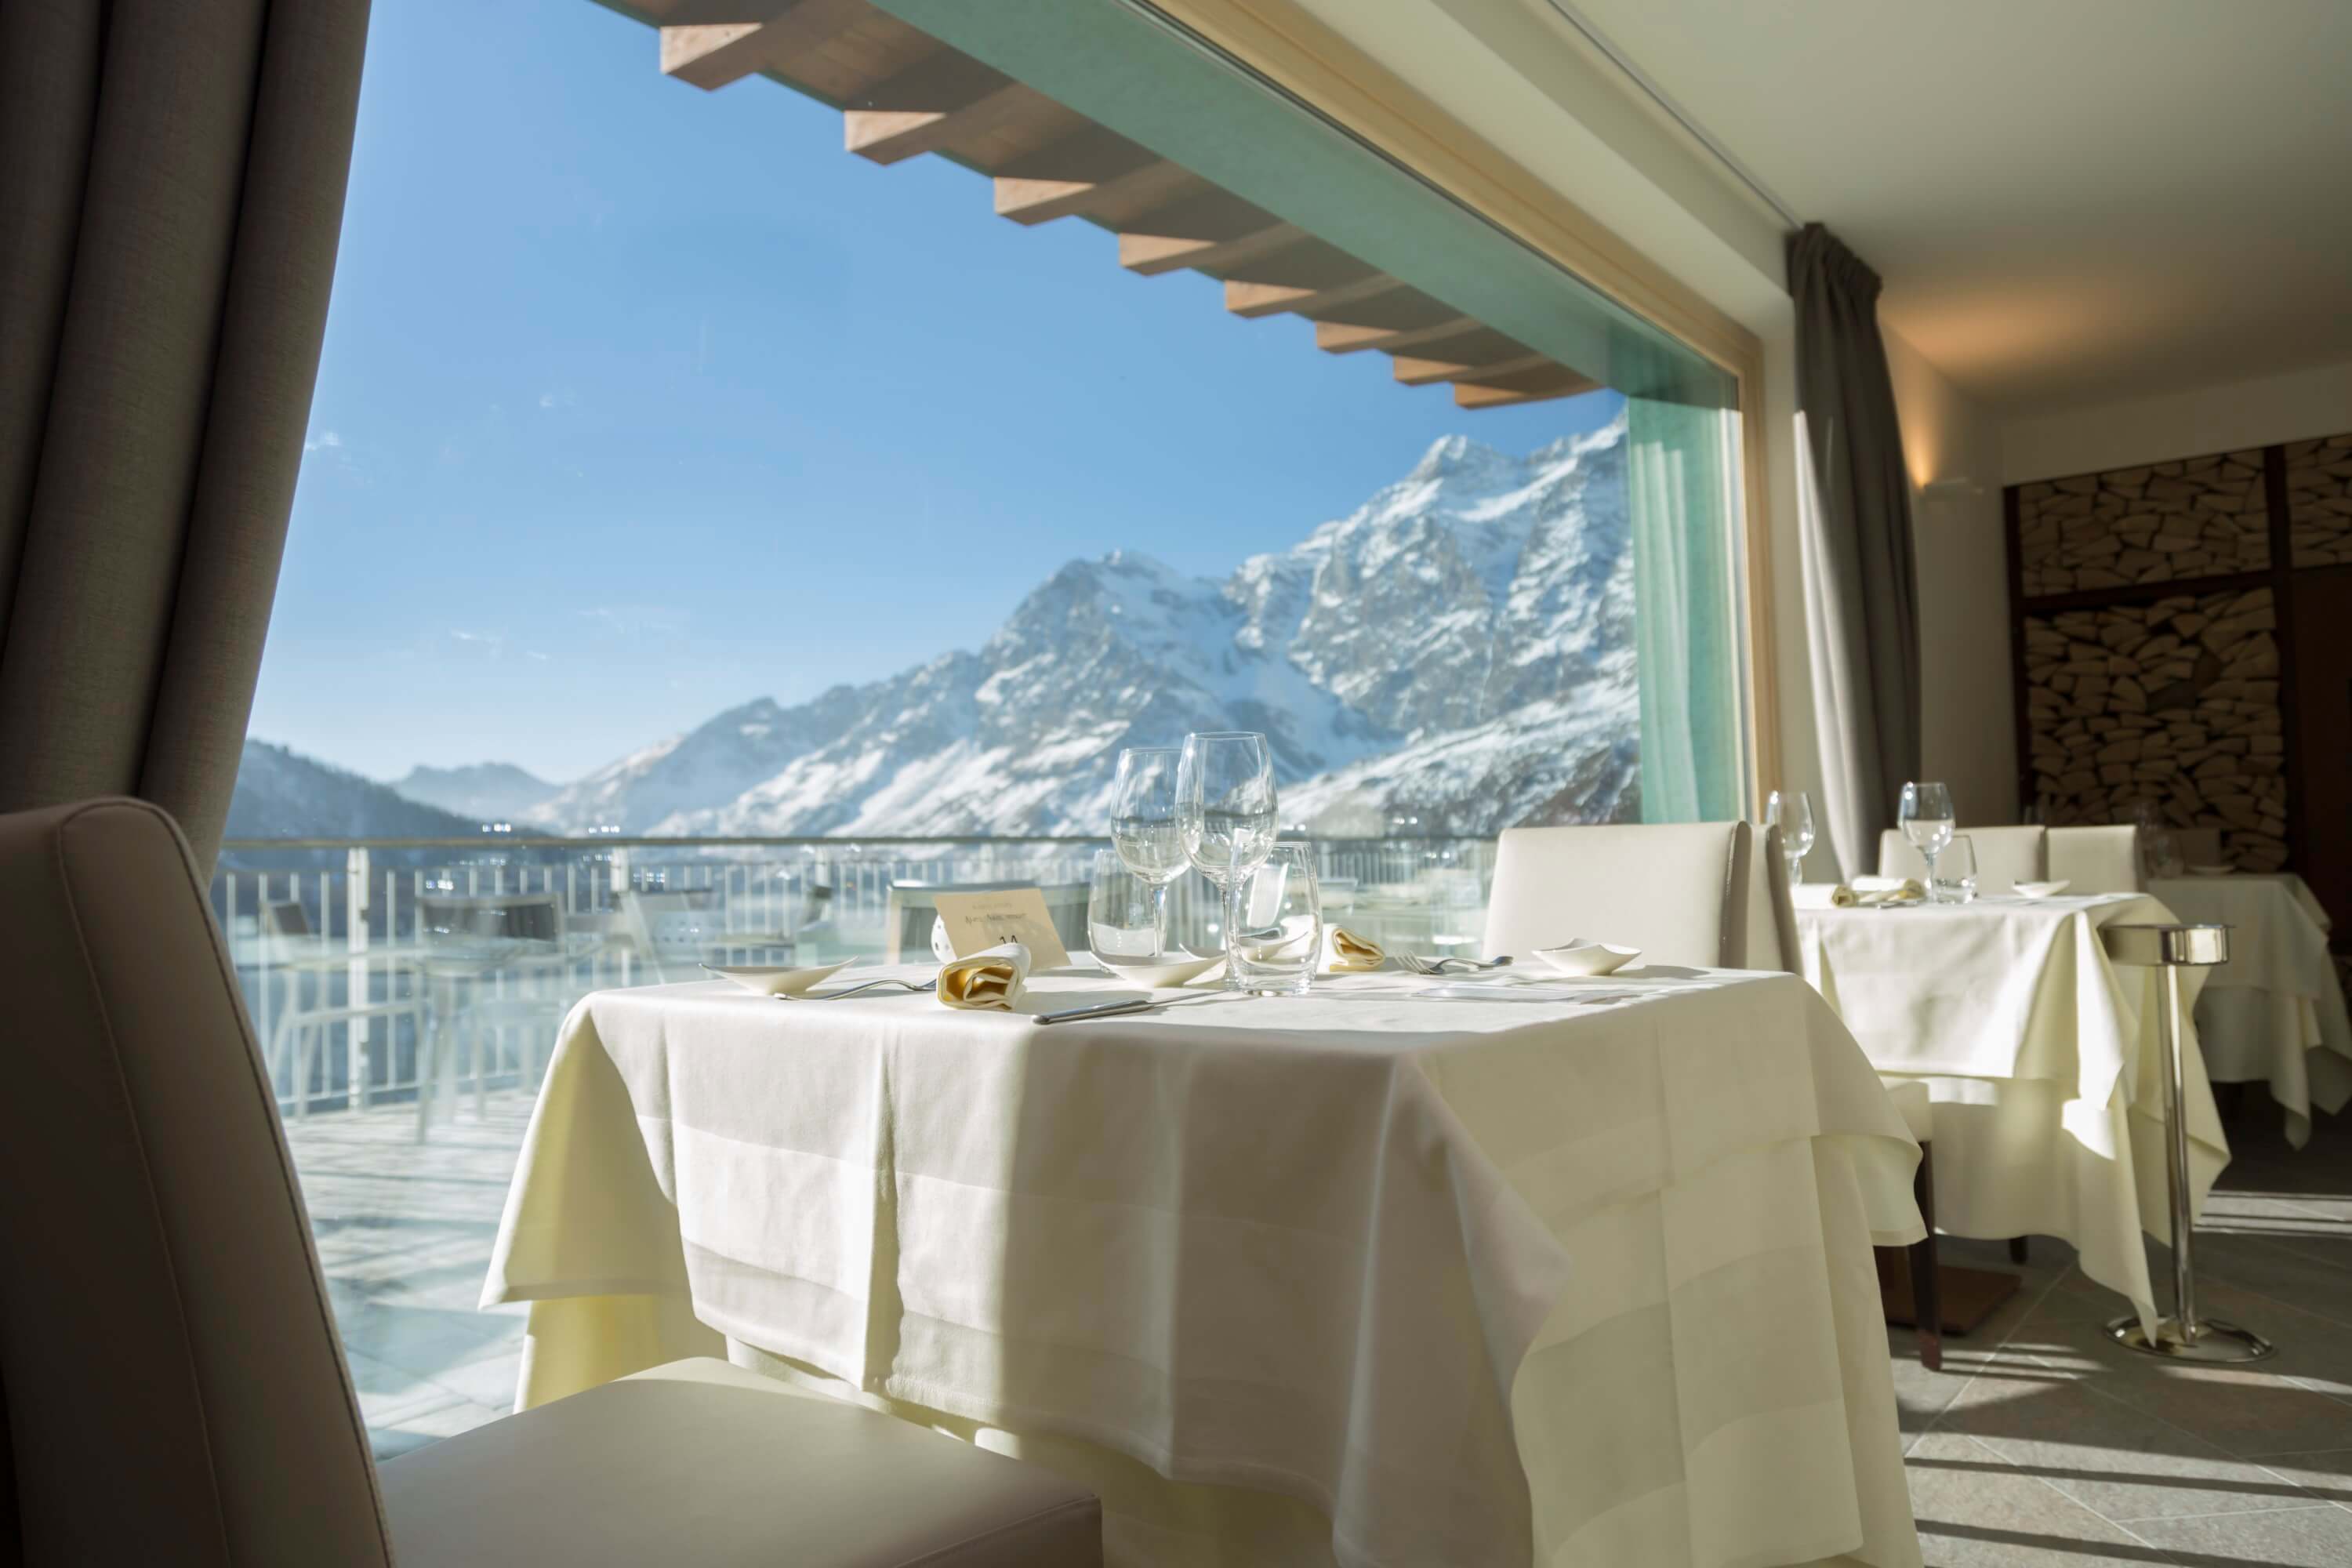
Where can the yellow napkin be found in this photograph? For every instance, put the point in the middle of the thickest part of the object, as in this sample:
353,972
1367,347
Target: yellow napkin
1822,896
987,981
1870,890
1353,954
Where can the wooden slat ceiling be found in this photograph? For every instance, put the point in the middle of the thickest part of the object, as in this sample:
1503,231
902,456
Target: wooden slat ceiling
902,92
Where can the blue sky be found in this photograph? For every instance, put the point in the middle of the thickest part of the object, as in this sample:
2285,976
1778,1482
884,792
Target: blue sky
638,402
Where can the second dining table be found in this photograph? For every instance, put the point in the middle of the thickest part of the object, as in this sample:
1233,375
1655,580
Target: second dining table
2275,1014
1577,1274
2040,1059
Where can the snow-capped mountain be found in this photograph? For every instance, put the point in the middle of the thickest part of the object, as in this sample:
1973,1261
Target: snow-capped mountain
493,792
1459,647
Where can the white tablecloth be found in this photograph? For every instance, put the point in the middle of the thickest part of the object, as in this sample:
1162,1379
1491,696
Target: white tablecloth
2275,1014
2042,1060
1463,1281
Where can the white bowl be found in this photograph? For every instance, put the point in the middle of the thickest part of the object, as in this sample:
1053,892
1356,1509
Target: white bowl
1582,955
2211,871
2041,890
771,980
1156,973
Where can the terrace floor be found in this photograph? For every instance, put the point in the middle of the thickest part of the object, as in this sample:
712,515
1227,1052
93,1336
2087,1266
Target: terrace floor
2039,1444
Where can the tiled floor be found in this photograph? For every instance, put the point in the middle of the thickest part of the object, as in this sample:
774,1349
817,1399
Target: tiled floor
2039,1444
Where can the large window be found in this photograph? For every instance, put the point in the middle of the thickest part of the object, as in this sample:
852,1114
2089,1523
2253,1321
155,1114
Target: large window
720,521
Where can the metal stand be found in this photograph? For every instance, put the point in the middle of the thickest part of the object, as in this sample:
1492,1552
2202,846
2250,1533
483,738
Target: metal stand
2183,1336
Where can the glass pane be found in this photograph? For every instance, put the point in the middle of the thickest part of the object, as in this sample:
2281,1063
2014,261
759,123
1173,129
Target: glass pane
712,541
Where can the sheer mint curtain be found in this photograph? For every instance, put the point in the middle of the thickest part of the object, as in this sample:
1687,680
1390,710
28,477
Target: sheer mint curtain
1682,479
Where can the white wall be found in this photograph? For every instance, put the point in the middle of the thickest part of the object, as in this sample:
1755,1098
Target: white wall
1968,726
2258,412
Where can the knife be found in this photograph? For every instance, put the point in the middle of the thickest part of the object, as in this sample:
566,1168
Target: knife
1100,1010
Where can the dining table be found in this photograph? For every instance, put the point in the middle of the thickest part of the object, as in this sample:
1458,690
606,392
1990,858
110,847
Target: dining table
2041,1062
1401,1271
2275,1014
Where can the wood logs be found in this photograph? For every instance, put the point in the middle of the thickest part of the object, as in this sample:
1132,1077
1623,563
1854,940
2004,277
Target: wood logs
2175,700
2159,522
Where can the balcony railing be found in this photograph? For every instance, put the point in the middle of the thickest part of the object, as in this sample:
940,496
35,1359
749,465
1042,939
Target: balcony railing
401,970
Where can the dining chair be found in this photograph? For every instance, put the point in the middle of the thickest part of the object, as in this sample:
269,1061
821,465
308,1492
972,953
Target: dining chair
2005,856
2096,859
529,994
1706,894
174,1388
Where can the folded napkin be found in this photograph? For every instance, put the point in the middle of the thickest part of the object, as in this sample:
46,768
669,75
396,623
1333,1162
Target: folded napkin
1873,890
990,980
1353,954
1822,896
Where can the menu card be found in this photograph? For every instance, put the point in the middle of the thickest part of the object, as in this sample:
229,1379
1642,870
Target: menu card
974,922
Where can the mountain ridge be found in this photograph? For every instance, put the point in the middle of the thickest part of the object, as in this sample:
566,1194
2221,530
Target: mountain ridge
1461,642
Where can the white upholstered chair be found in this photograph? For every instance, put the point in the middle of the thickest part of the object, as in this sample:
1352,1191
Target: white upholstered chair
2096,859
1705,894
170,1381
2005,857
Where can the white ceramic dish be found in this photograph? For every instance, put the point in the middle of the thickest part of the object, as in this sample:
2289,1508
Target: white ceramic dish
1155,973
770,980
2211,871
1583,956
2041,890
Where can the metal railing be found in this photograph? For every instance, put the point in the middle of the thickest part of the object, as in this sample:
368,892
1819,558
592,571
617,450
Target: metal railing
335,940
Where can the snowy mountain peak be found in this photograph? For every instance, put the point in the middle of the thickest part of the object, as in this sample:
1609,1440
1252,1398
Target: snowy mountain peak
1466,632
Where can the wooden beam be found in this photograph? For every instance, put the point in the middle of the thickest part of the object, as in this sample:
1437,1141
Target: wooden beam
950,103
712,54
1429,372
1152,254
1530,385
1260,299
1346,338
1109,197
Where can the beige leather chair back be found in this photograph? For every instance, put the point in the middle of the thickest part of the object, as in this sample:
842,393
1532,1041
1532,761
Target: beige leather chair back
174,1390
2096,859
2005,856
1706,894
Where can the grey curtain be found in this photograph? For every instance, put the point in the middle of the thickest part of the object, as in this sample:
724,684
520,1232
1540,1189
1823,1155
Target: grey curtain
172,182
1861,589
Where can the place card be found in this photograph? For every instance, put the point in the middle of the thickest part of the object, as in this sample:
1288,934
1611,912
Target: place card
974,922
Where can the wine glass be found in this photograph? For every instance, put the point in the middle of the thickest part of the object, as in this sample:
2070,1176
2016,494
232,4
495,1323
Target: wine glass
1926,814
1144,829
1224,809
1791,811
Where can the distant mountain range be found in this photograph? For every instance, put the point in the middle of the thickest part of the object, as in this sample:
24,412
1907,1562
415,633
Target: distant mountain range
1459,650
489,792
284,794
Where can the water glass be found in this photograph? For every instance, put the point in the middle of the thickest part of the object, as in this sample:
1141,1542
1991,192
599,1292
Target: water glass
1144,829
1926,814
1224,810
1792,812
1122,910
1953,879
1280,912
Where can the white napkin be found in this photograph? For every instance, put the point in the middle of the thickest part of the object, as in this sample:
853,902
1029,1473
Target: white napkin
1870,891
1344,953
988,981
1822,896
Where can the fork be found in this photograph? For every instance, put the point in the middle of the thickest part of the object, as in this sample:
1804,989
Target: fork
1419,965
917,986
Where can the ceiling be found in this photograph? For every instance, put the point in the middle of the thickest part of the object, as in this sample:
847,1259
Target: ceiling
2070,202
